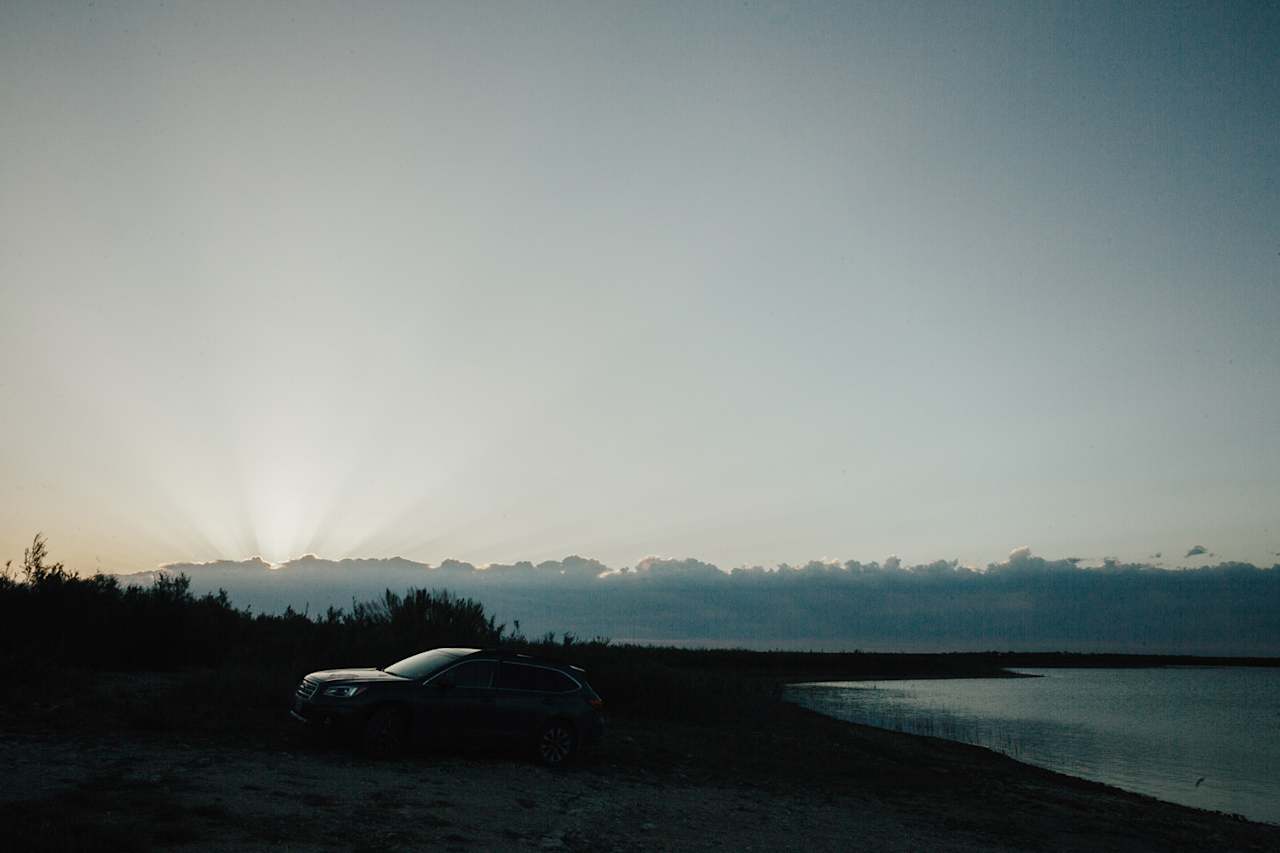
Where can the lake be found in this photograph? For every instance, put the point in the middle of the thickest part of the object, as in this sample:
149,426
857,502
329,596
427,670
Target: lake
1202,736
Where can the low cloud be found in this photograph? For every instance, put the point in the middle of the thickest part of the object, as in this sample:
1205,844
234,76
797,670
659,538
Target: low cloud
1024,602
1196,551
660,567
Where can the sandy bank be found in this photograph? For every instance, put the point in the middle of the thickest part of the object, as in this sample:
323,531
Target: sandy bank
786,780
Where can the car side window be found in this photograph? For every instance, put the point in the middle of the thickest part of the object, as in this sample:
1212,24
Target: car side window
550,681
476,673
516,676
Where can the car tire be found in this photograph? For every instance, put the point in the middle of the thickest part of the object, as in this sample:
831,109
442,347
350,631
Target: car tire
386,735
557,743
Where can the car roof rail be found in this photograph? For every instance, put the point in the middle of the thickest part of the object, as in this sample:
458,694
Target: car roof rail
503,652
508,654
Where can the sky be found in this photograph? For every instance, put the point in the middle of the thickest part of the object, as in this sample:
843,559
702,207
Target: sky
746,282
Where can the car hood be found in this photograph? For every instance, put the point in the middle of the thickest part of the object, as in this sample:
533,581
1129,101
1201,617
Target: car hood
348,676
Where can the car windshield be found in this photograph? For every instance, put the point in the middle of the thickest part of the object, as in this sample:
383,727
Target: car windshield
420,666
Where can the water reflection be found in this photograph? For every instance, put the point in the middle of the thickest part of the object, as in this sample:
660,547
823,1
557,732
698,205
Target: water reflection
1155,731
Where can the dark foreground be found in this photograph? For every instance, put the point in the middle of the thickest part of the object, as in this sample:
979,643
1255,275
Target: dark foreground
137,775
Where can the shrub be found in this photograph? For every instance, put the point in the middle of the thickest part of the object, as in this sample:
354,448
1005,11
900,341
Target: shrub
49,616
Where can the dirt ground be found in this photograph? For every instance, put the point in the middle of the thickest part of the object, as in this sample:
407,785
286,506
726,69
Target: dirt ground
799,782
241,799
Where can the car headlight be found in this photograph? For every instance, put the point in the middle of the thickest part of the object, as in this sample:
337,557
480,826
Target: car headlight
343,692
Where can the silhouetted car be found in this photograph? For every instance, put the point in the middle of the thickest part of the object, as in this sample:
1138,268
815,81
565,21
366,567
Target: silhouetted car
449,695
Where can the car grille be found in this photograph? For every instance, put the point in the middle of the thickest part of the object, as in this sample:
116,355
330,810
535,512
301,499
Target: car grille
307,689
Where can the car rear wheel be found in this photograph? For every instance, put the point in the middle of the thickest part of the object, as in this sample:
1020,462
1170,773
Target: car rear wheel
386,734
557,742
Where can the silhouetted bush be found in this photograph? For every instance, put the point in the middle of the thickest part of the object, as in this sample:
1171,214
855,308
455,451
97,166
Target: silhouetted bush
53,619
49,616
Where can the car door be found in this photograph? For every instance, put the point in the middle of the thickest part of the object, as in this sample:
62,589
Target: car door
527,695
518,704
457,703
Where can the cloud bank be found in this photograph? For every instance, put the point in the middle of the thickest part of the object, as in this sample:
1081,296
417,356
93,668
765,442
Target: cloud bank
1022,603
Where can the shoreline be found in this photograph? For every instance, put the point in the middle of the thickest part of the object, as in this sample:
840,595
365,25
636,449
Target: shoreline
1048,658
1006,674
987,762
1058,771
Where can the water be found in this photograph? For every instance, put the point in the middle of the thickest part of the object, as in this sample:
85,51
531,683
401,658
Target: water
1153,731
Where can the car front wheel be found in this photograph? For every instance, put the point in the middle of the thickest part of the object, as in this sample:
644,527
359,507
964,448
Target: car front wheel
557,742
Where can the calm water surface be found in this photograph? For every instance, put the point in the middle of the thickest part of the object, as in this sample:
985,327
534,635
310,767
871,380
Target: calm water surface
1154,731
